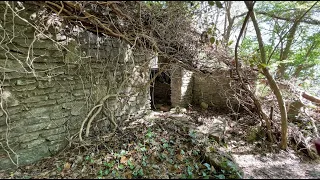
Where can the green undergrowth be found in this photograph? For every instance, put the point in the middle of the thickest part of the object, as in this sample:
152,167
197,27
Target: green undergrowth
150,153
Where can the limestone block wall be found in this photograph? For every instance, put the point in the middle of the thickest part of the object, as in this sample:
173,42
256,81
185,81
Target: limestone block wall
48,87
216,90
181,87
193,88
213,90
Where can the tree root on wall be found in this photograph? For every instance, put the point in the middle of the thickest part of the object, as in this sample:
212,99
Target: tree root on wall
99,106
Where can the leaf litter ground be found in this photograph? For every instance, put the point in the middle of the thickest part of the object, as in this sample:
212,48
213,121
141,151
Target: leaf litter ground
167,146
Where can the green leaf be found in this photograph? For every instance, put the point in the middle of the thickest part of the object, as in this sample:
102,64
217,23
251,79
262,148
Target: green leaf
122,152
192,134
110,165
135,173
87,158
207,165
121,166
220,176
116,155
212,39
129,163
218,4
171,151
100,172
165,145
230,42
195,152
106,172
140,172
189,170
204,174
144,163
183,176
149,135
163,156
211,3
182,152
263,65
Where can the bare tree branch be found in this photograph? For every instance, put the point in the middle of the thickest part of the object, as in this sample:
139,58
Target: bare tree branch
305,20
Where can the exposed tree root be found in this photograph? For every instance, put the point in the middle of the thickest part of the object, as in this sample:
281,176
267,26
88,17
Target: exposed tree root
84,121
99,106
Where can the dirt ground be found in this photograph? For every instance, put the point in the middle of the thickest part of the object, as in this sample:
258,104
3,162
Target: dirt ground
261,162
274,165
283,165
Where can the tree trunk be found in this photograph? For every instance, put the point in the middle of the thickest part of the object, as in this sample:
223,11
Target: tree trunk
227,28
282,66
252,95
297,71
273,85
282,107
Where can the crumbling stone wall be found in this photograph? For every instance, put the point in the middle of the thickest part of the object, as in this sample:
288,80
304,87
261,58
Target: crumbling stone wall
48,87
213,90
194,88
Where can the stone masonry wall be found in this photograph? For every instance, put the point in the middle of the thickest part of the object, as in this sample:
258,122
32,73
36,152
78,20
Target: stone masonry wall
181,87
194,88
48,89
213,90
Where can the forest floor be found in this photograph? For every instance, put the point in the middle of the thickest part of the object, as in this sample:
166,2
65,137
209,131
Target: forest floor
261,162
169,145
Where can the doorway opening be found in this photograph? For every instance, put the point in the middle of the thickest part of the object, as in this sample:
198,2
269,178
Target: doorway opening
160,88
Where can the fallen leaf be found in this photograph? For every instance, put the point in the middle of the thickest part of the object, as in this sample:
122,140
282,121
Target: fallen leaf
131,152
108,157
44,174
124,160
66,166
179,157
128,175
189,152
